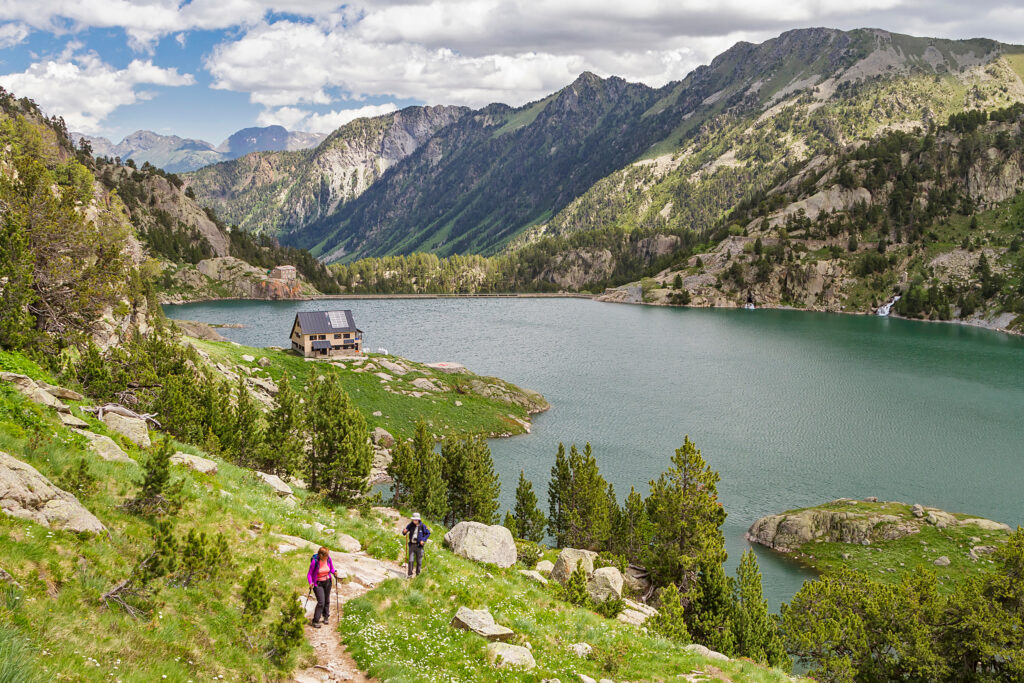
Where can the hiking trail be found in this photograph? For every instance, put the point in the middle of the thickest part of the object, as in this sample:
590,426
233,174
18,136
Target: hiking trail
333,662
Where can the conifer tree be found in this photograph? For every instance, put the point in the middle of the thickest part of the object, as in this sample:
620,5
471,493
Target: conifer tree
576,587
287,632
246,432
558,497
529,520
473,486
255,596
670,621
404,470
283,449
510,524
164,559
754,630
686,520
340,456
632,528
430,495
709,614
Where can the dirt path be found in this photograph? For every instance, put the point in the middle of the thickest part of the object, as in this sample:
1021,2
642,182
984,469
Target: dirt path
333,662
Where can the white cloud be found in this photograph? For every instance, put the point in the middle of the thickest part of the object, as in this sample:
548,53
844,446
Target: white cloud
85,90
293,118
13,34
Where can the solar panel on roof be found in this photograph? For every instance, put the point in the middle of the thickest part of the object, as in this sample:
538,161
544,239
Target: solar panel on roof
337,319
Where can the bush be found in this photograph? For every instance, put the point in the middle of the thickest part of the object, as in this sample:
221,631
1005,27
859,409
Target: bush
611,607
528,553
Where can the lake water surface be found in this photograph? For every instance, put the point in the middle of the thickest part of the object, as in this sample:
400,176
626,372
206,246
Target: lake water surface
792,408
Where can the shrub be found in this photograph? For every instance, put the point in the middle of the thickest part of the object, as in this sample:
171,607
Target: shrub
528,553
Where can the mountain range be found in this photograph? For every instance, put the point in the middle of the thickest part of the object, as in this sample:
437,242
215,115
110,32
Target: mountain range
177,155
602,153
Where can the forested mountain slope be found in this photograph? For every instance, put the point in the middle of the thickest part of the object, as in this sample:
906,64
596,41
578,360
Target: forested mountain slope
276,192
605,154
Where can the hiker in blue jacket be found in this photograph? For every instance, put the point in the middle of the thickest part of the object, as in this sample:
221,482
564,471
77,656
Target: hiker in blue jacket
418,534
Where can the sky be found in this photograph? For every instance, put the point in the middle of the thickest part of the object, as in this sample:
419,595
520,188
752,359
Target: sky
206,68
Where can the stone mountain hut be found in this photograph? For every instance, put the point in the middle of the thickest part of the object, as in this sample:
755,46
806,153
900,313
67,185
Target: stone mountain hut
324,334
283,273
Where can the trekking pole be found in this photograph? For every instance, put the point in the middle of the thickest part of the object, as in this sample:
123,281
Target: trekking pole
307,599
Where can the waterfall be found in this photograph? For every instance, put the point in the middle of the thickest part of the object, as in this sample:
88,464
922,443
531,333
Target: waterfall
885,308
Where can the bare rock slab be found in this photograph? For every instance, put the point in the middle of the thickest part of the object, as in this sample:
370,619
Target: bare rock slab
482,543
505,656
534,575
69,420
105,447
275,482
194,462
133,428
480,622
705,652
27,494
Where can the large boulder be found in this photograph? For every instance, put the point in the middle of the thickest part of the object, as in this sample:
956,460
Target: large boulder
705,652
194,462
480,622
27,494
605,583
275,482
491,544
504,655
133,428
105,447
31,390
382,437
567,560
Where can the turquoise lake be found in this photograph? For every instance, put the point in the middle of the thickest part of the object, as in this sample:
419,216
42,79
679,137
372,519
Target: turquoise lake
792,408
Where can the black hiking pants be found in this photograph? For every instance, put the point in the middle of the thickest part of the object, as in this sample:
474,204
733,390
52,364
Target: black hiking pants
322,590
415,556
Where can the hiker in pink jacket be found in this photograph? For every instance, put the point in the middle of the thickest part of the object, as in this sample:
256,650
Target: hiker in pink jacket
320,571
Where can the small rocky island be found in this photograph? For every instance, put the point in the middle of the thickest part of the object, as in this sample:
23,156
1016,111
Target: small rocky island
883,538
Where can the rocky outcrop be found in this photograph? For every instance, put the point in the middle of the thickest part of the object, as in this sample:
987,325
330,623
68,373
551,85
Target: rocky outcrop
480,622
105,447
275,482
604,584
849,521
567,561
27,494
482,543
34,391
504,656
134,429
194,462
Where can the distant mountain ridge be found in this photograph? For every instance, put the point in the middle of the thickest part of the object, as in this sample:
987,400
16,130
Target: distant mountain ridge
605,154
175,154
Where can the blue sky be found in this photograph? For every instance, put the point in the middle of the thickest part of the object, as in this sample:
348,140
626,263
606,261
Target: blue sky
205,68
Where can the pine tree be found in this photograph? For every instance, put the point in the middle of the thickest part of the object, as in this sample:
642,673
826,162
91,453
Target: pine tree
196,558
164,559
754,630
510,524
340,456
247,432
576,587
529,520
670,621
404,470
632,531
709,615
473,486
255,596
686,520
430,496
287,632
558,497
283,449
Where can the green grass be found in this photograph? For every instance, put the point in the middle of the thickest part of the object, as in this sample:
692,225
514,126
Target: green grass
401,632
399,413
55,626
890,561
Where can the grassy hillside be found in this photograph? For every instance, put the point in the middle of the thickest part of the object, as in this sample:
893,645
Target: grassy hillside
456,407
54,623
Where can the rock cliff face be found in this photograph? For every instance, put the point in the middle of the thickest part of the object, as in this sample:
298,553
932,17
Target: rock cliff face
229,277
281,191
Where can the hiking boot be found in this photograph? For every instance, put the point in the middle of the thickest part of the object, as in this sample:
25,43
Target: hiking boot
315,624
